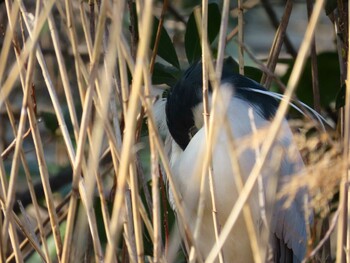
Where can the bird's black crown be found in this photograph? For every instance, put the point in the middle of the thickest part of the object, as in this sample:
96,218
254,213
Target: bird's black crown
187,94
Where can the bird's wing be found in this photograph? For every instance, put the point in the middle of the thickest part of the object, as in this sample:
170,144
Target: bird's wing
288,225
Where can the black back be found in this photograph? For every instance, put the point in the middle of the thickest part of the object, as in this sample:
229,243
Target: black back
187,93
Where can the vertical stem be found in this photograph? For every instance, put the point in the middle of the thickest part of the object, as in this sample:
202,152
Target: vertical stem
222,38
280,37
314,69
343,224
240,37
157,245
130,128
92,20
159,30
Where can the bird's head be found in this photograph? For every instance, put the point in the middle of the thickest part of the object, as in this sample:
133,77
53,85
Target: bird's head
185,98
182,99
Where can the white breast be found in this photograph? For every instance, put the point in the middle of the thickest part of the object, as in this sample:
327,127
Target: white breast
237,248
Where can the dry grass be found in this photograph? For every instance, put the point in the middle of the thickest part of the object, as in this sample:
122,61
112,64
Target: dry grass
60,54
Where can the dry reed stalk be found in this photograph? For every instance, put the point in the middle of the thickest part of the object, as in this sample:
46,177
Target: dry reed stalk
232,34
92,20
158,252
31,114
31,190
17,254
49,84
64,76
45,180
14,168
202,25
160,25
133,109
10,148
124,76
95,133
8,85
277,44
306,112
87,99
27,225
91,217
109,65
62,216
107,126
2,196
87,34
344,195
240,37
325,238
222,38
115,157
203,161
27,232
137,204
274,129
314,69
215,123
77,173
275,22
59,115
109,131
12,14
100,119
247,211
136,215
317,107
74,44
129,234
172,186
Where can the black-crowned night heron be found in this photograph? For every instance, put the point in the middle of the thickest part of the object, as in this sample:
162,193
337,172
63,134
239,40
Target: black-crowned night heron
249,106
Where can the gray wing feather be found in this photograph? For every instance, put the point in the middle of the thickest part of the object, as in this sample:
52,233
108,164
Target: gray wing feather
289,238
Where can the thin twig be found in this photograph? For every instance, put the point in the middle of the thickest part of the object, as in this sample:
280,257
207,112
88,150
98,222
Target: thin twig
240,37
274,20
205,90
157,40
5,153
16,69
325,238
133,29
31,189
157,244
314,68
92,20
27,240
277,44
222,39
344,224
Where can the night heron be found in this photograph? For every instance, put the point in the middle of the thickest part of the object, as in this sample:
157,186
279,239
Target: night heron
249,106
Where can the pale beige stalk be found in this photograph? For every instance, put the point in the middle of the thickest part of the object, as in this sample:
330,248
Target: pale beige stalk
274,129
28,47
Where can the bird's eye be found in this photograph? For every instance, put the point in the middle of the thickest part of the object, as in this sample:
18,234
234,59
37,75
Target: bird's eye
165,93
192,131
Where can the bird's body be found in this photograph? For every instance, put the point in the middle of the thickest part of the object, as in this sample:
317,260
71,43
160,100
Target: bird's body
245,110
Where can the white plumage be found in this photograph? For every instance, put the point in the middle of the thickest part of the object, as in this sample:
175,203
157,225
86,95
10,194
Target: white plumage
287,227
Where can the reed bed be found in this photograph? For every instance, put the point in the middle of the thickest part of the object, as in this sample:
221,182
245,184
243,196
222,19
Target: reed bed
84,168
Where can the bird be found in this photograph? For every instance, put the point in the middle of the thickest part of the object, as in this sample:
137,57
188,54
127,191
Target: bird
248,105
